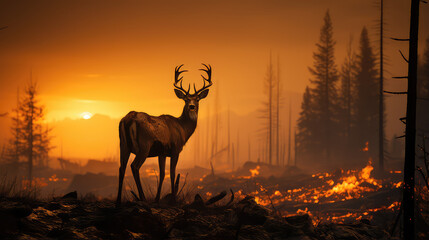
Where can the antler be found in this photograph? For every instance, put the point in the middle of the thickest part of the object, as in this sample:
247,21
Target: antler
208,70
177,72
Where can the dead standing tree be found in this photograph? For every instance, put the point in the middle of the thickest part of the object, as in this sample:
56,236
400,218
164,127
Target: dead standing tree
408,200
162,136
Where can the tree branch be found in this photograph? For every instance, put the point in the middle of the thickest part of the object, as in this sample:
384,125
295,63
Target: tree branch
406,60
400,39
395,92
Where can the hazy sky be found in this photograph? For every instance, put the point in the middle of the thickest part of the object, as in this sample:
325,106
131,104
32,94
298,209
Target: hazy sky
110,57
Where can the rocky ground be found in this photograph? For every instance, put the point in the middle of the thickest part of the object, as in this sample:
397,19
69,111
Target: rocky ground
71,218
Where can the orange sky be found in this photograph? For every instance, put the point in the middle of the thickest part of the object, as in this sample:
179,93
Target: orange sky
110,57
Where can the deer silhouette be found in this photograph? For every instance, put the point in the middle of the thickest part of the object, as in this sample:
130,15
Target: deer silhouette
162,136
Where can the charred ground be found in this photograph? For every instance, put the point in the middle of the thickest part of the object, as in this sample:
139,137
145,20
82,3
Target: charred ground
257,201
70,218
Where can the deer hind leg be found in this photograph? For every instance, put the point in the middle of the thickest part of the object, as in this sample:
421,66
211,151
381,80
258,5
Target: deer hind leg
135,168
161,161
125,154
173,163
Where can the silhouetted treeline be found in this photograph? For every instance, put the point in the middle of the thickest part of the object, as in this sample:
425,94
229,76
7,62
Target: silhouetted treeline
339,113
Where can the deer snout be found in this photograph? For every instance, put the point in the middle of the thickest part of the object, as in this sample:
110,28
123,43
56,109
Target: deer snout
192,107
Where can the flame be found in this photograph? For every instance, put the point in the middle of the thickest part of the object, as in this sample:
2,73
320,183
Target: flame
53,178
255,171
323,188
35,182
349,185
366,148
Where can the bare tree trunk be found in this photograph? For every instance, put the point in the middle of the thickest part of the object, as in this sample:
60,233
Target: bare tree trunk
233,157
30,142
216,129
248,153
270,110
410,129
238,141
381,100
229,136
289,161
278,112
207,152
296,148
17,129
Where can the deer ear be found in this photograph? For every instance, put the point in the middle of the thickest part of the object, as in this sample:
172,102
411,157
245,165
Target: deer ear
179,94
203,94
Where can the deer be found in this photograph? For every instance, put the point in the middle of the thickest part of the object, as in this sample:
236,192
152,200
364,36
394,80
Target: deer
160,136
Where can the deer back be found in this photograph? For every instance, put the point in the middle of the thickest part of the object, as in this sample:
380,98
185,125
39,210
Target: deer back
164,135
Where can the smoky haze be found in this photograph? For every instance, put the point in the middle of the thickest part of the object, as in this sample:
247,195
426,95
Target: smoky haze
109,57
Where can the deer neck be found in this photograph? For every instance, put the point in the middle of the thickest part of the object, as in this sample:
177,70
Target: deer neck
187,123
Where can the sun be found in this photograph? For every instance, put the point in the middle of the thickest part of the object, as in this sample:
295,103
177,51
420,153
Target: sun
86,115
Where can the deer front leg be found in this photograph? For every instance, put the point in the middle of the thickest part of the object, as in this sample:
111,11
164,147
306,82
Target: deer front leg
161,162
135,167
173,163
125,154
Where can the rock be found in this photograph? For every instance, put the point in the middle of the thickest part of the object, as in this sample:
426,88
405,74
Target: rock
250,213
53,206
230,217
21,211
168,199
249,232
281,228
10,217
341,232
62,233
70,196
365,221
197,204
135,220
302,222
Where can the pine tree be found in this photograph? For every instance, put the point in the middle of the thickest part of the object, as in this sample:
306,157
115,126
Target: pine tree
346,98
31,136
306,126
324,79
367,97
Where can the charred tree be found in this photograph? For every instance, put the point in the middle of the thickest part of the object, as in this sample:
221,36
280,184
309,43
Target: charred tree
381,98
410,128
268,111
289,161
278,112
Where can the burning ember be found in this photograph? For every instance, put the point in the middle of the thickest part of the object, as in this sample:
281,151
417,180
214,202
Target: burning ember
54,178
254,172
366,148
350,186
322,189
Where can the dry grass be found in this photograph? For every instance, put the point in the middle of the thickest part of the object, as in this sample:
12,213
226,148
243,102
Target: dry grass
15,188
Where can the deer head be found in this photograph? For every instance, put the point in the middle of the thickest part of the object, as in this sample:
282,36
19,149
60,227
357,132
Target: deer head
192,100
